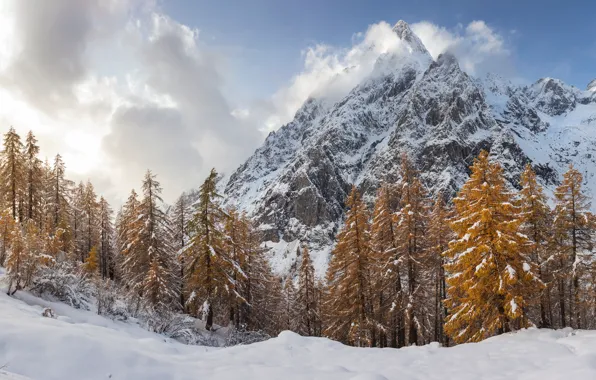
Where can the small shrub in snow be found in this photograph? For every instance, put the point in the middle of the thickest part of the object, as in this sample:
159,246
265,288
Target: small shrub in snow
108,304
62,283
242,336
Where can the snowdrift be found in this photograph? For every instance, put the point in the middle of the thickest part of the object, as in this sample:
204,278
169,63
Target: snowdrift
81,345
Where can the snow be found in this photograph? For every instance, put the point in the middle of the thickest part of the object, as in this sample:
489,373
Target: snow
77,347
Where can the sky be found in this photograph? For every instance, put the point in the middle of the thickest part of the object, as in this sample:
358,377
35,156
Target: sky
180,86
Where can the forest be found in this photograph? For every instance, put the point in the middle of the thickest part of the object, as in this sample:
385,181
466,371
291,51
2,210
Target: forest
410,269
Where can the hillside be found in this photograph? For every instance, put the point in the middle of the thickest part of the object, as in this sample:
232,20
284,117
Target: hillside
81,345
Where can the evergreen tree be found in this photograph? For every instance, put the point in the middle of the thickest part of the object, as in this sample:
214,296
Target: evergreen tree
386,272
106,240
91,211
12,170
574,226
58,196
349,303
17,262
491,279
207,264
149,266
439,235
180,216
7,225
537,227
92,262
78,223
411,227
306,305
34,178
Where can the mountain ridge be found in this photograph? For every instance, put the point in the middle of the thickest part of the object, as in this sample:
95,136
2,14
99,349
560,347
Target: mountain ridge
296,183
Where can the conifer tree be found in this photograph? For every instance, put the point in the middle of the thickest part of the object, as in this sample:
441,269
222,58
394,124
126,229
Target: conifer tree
78,223
491,279
288,311
411,227
106,240
235,235
149,265
34,177
207,271
306,305
574,226
349,305
386,270
91,215
92,262
58,200
537,227
7,225
12,170
439,235
17,262
180,216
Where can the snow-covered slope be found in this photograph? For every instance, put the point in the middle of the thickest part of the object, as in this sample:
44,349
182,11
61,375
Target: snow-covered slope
82,345
296,183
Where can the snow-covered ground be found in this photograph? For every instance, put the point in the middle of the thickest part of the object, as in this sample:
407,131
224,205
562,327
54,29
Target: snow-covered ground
81,345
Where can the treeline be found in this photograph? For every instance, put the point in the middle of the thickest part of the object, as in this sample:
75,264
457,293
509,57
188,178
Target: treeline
418,270
411,270
194,258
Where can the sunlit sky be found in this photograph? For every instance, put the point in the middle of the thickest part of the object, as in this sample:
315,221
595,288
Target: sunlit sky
180,86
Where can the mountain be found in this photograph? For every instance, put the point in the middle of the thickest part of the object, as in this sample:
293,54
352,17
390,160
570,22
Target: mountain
296,183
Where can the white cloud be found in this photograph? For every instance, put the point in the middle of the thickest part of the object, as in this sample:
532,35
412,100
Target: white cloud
478,48
117,87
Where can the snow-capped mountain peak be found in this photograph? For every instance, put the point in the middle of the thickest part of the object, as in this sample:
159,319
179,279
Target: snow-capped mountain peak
592,86
295,185
403,31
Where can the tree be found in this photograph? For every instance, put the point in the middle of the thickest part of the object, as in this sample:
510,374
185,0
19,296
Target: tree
349,301
34,177
491,278
106,240
207,271
411,227
306,305
574,226
92,262
12,170
7,226
90,208
439,235
386,271
58,195
17,262
288,311
537,227
149,267
179,218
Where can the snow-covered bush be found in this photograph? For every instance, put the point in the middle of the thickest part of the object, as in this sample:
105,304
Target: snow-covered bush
242,336
108,303
62,283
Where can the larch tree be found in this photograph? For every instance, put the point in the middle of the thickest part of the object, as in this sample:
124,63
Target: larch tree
12,171
79,244
386,272
574,225
91,265
149,265
234,245
7,225
90,208
34,178
306,305
287,309
17,262
491,280
537,224
439,236
411,227
349,305
59,190
180,215
207,264
106,240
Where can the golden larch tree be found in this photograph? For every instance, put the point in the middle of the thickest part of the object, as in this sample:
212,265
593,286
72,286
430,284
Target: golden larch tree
490,279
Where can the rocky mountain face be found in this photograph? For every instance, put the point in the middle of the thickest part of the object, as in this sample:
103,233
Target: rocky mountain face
296,183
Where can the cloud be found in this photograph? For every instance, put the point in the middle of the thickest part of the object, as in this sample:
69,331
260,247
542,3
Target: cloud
118,87
478,48
329,72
